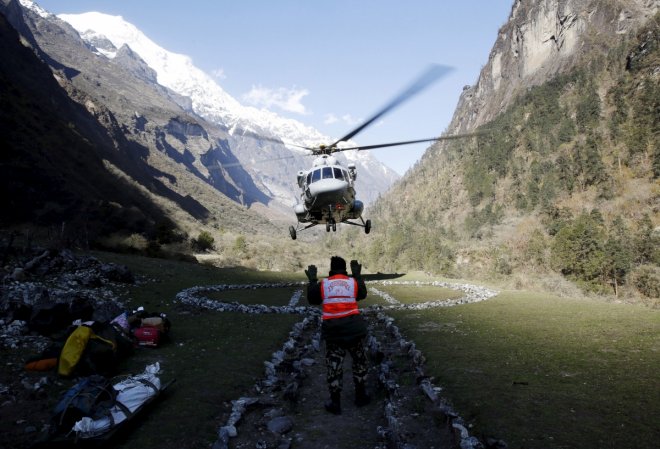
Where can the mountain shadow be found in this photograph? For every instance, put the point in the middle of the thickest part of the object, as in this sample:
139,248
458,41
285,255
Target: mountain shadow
55,156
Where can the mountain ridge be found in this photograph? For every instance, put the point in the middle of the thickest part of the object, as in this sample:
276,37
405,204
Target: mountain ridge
134,115
210,101
148,140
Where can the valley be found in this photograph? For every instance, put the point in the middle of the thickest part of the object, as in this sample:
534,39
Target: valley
513,271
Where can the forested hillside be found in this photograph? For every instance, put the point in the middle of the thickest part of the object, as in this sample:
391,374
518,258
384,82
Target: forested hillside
564,181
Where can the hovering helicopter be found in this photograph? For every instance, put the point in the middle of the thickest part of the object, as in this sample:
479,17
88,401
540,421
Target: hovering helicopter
328,189
328,196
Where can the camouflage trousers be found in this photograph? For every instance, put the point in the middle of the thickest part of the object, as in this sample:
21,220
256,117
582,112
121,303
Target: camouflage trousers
334,361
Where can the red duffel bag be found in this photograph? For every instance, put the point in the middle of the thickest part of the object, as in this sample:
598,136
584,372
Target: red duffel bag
147,336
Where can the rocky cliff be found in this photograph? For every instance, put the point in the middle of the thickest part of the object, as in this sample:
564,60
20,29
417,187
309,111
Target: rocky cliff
540,40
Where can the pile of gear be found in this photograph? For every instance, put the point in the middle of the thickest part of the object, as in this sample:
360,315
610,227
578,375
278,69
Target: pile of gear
65,308
61,317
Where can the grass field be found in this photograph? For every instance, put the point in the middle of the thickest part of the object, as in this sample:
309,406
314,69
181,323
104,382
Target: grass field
534,370
544,372
266,296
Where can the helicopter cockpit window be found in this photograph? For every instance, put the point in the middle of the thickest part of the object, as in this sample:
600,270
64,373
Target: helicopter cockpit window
338,173
327,172
309,178
316,175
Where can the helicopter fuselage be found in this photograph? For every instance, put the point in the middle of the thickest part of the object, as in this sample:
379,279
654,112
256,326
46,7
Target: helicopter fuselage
328,195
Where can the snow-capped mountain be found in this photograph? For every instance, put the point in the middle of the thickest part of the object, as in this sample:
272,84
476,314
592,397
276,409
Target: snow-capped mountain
131,135
178,73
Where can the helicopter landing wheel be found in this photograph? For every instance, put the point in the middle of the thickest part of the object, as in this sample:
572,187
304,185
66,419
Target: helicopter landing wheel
292,232
334,227
367,227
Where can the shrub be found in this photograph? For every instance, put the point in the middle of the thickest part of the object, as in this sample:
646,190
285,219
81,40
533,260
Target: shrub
204,242
136,241
166,232
647,242
503,265
646,279
153,249
578,248
535,250
240,244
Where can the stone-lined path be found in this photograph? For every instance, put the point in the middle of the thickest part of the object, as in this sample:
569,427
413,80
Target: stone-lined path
285,408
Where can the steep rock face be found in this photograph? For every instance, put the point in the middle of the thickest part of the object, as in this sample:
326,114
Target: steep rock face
53,153
132,62
540,39
143,110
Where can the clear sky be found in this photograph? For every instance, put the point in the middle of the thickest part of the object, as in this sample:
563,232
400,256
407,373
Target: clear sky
328,64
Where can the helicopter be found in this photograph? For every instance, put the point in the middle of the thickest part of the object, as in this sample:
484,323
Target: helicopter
328,188
328,196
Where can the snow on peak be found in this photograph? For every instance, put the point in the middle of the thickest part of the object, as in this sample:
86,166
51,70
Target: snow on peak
209,100
174,70
32,6
177,72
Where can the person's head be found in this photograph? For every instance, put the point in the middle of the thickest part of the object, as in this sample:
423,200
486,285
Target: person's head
337,264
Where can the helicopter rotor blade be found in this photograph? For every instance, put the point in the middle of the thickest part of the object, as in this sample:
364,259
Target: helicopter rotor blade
256,136
430,75
410,142
239,164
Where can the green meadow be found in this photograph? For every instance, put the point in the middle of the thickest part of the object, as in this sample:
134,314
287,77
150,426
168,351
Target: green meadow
544,372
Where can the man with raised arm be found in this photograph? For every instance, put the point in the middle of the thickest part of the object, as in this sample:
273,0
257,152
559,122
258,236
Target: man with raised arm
343,328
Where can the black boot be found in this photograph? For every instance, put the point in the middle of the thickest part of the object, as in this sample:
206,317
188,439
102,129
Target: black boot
362,398
333,405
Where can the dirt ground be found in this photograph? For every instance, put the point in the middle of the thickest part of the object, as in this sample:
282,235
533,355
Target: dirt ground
25,400
400,414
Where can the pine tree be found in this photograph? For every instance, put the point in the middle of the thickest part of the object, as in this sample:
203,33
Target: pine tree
618,255
578,249
646,242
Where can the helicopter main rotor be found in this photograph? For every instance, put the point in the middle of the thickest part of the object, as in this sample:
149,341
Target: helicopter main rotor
428,77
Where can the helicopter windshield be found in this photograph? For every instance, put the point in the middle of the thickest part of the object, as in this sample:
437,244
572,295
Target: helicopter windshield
326,173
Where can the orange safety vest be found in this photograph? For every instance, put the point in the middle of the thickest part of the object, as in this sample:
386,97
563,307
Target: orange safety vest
339,295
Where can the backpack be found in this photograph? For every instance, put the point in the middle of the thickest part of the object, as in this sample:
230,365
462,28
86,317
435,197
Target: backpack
149,329
83,341
92,396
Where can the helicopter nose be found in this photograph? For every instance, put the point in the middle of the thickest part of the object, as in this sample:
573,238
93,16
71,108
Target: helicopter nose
328,190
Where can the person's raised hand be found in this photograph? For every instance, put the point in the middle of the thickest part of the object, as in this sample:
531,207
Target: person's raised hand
356,268
311,272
